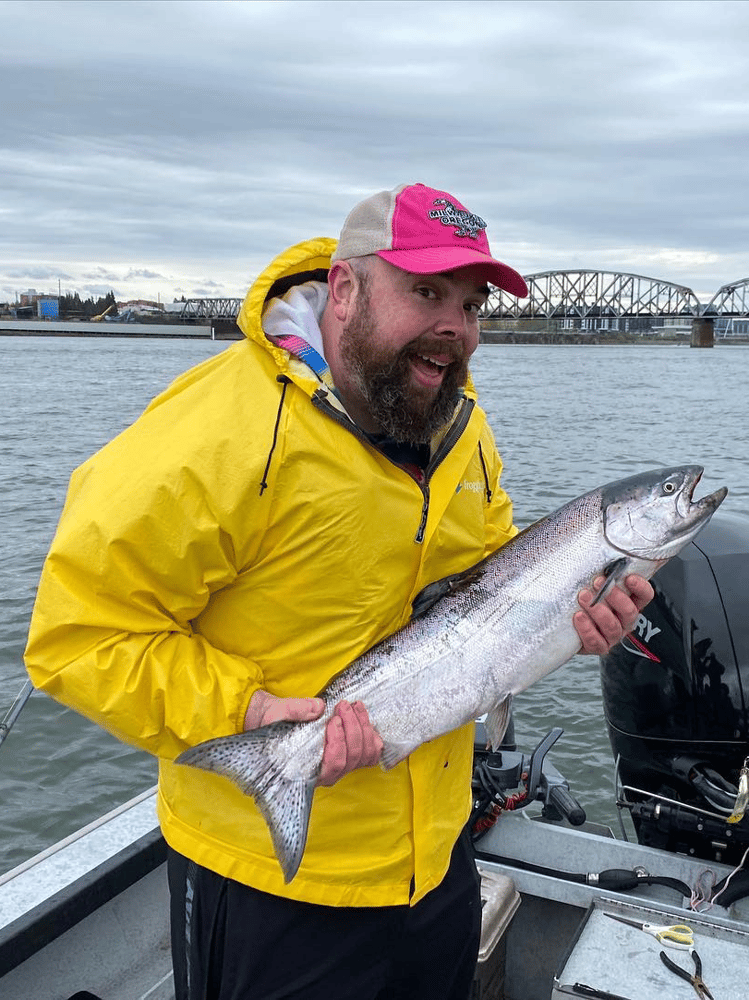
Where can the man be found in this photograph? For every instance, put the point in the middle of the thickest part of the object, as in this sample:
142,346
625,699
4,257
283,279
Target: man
270,517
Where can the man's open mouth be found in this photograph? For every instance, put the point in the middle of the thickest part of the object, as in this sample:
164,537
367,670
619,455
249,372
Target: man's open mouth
437,363
430,369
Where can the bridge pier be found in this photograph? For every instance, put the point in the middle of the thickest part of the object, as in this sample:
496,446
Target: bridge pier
703,332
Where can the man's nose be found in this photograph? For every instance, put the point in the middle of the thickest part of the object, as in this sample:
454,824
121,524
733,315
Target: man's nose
452,320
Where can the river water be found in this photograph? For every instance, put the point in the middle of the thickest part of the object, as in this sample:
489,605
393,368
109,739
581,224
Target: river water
566,419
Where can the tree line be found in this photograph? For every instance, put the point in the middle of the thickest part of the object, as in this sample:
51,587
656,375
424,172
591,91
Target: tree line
72,306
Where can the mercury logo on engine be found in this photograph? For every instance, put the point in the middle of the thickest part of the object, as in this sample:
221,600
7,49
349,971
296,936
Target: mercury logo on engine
641,634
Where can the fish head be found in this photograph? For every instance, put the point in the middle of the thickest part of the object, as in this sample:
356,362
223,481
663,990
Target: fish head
652,515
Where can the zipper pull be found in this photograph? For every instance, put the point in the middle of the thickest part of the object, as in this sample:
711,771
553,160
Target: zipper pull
424,515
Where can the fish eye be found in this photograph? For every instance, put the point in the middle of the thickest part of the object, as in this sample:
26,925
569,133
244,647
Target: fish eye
669,487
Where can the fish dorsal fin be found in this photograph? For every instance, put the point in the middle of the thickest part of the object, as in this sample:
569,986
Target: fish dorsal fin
434,592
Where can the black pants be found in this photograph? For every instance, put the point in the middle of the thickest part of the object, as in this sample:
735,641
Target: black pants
231,942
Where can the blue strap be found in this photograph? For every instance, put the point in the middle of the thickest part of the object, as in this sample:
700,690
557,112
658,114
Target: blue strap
301,349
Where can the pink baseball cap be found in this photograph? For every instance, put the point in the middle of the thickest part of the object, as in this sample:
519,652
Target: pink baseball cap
425,231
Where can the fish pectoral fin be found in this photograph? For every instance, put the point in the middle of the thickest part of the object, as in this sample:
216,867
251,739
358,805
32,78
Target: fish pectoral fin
497,721
613,572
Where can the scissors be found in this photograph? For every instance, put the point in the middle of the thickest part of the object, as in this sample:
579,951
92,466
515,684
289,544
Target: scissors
671,935
696,980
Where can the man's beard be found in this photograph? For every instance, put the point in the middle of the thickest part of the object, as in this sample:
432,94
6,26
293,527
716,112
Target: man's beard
383,379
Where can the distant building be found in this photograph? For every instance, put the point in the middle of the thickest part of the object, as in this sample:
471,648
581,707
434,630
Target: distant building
48,307
141,306
44,305
732,326
673,326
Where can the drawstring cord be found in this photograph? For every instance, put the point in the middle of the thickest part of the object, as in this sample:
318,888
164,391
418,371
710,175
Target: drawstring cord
264,481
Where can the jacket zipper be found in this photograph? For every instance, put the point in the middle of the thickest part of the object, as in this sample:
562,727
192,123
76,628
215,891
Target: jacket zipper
320,400
454,432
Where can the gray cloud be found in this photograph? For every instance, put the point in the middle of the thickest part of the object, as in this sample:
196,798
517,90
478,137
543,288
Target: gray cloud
141,272
35,273
172,146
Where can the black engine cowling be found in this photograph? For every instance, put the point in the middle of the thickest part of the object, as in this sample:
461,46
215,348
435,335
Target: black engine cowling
676,697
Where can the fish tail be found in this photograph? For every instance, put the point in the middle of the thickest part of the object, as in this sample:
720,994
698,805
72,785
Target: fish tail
248,759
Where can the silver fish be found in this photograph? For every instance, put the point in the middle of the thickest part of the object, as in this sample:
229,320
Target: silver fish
476,639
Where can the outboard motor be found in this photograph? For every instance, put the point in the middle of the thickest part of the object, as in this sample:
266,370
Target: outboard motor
676,694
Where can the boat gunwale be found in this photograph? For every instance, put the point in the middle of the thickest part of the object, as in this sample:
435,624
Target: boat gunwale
33,930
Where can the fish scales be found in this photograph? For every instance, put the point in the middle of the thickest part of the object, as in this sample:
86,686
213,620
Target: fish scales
498,628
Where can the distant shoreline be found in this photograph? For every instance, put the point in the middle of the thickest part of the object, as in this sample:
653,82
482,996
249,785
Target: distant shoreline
577,338
223,330
104,331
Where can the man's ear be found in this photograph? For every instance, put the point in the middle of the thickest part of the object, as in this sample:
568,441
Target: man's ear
342,285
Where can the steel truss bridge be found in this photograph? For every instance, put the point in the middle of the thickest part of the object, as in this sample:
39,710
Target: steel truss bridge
568,295
211,309
588,294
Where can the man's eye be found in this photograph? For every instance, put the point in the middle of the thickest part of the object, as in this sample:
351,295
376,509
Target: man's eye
428,293
473,307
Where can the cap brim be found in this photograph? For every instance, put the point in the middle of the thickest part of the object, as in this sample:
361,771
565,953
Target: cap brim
434,260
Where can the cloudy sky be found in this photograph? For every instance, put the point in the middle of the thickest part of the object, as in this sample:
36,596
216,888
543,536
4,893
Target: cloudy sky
161,149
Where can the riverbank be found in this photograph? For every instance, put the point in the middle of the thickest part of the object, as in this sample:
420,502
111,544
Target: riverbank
103,330
569,337
228,330
550,335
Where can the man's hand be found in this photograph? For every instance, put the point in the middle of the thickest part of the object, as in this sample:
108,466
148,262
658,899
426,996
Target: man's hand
601,627
350,739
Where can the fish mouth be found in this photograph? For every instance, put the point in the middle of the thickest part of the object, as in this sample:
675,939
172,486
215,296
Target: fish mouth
653,515
691,511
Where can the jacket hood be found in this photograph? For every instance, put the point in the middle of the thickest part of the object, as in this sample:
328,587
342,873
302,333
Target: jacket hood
303,262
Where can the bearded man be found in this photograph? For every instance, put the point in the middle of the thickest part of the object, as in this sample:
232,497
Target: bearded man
270,517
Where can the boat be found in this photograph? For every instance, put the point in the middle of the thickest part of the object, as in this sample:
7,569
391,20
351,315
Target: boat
87,919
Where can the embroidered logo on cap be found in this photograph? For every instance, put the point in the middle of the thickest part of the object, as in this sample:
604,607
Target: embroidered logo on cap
466,223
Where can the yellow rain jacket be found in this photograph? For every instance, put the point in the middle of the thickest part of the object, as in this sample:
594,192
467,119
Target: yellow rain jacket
242,534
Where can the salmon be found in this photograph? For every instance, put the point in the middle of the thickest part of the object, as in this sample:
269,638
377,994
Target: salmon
475,640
